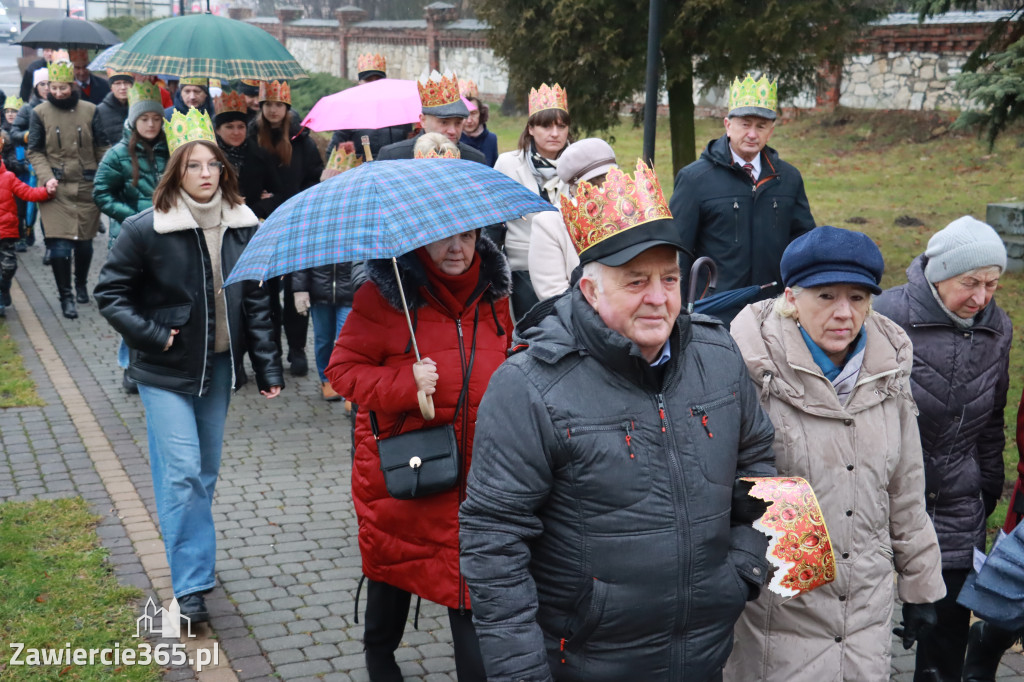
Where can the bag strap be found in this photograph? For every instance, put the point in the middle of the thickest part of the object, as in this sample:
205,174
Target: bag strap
465,379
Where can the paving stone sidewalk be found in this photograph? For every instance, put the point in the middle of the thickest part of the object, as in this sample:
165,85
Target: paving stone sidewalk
288,563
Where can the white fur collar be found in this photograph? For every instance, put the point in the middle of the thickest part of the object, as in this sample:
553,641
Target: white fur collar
180,218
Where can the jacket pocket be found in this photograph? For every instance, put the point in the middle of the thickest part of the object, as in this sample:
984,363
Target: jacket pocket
589,609
173,316
610,468
715,425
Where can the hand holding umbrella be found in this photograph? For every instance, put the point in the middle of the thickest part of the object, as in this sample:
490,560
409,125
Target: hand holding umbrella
425,371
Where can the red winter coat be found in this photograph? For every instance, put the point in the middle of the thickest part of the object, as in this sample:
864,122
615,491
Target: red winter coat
10,186
414,544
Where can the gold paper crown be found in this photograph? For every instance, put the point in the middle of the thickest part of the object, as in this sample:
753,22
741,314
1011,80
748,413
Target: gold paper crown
60,72
467,88
196,125
435,154
438,90
113,73
251,83
763,94
371,62
230,101
14,102
343,158
548,98
621,203
142,92
201,81
276,91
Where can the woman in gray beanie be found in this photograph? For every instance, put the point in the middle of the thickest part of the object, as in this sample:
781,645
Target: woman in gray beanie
960,378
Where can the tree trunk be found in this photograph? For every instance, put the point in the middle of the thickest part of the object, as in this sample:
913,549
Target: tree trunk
680,118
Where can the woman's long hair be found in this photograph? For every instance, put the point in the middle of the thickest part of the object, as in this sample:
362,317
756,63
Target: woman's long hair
282,151
166,194
544,118
134,141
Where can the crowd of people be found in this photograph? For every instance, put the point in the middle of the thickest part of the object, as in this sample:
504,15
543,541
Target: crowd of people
597,525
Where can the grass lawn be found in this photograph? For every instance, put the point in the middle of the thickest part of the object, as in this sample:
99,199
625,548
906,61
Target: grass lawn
864,170
56,591
16,387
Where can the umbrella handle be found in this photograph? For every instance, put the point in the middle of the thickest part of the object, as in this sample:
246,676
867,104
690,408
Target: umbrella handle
426,405
366,147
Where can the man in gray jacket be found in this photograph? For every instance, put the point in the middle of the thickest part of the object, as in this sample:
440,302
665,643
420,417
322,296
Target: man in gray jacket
605,533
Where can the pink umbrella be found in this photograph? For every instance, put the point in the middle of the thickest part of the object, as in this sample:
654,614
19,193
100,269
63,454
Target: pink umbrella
387,102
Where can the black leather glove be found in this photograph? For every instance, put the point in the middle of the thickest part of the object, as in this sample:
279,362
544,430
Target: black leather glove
918,621
990,502
746,509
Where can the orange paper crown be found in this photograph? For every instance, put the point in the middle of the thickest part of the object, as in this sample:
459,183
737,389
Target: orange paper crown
438,90
467,88
230,101
275,91
621,203
371,62
548,98
435,154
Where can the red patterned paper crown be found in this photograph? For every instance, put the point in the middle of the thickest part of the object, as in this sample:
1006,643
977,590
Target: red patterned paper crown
435,154
230,101
546,97
621,203
438,90
371,62
275,91
467,88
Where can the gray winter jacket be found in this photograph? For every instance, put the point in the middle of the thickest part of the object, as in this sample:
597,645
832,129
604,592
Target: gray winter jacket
596,537
959,381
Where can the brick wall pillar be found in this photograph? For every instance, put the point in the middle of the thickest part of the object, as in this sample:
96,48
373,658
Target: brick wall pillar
829,79
285,15
347,16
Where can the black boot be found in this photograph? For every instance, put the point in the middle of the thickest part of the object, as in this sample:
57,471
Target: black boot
62,275
82,263
986,645
5,292
387,610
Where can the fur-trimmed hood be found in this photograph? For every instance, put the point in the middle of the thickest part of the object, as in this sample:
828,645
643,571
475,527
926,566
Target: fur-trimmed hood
494,275
180,218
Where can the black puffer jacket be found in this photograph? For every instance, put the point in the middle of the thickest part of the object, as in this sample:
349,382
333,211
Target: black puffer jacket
959,380
329,284
596,534
306,165
742,226
112,114
153,282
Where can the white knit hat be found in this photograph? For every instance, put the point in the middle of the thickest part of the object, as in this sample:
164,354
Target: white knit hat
964,245
40,76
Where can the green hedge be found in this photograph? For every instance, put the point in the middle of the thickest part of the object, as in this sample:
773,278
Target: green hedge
308,91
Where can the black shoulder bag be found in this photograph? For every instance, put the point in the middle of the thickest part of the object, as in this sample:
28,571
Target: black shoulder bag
424,462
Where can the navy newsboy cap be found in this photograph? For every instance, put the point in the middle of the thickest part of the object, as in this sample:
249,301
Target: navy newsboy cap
831,255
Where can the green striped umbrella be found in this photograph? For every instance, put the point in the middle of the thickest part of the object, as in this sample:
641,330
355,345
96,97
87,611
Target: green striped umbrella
198,45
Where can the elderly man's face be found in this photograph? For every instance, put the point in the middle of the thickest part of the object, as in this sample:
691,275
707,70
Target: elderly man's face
81,70
748,135
193,96
641,299
450,127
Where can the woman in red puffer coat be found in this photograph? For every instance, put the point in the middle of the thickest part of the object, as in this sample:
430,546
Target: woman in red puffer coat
10,187
457,290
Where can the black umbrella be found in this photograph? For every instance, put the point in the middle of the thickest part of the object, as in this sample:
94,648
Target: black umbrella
66,33
722,302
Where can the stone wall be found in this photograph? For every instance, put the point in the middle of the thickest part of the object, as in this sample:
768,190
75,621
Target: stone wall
901,80
404,61
316,54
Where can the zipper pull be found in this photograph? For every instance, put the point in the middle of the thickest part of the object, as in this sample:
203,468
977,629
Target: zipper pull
561,648
629,439
704,423
735,205
775,204
458,326
661,413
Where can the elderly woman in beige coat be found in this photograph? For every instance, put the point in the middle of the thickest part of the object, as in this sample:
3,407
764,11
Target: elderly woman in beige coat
834,378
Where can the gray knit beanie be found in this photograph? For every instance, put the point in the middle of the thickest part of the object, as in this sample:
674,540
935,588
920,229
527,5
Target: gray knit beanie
964,245
141,107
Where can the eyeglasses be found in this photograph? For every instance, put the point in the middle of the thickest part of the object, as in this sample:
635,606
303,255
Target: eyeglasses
194,167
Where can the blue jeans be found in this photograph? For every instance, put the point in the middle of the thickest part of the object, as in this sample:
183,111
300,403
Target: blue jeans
122,355
185,437
327,323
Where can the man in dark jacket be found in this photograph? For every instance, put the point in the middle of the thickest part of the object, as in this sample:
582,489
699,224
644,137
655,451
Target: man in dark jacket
93,88
605,534
27,78
739,203
113,110
960,378
192,92
444,112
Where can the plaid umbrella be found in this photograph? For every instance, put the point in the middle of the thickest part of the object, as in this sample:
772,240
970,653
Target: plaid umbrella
206,45
99,62
382,210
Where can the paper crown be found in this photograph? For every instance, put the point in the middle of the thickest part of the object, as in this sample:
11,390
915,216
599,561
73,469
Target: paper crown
60,72
60,56
546,97
798,543
275,91
142,92
251,83
371,62
196,125
343,158
435,154
13,102
438,90
114,73
197,80
620,204
756,95
467,88
230,102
